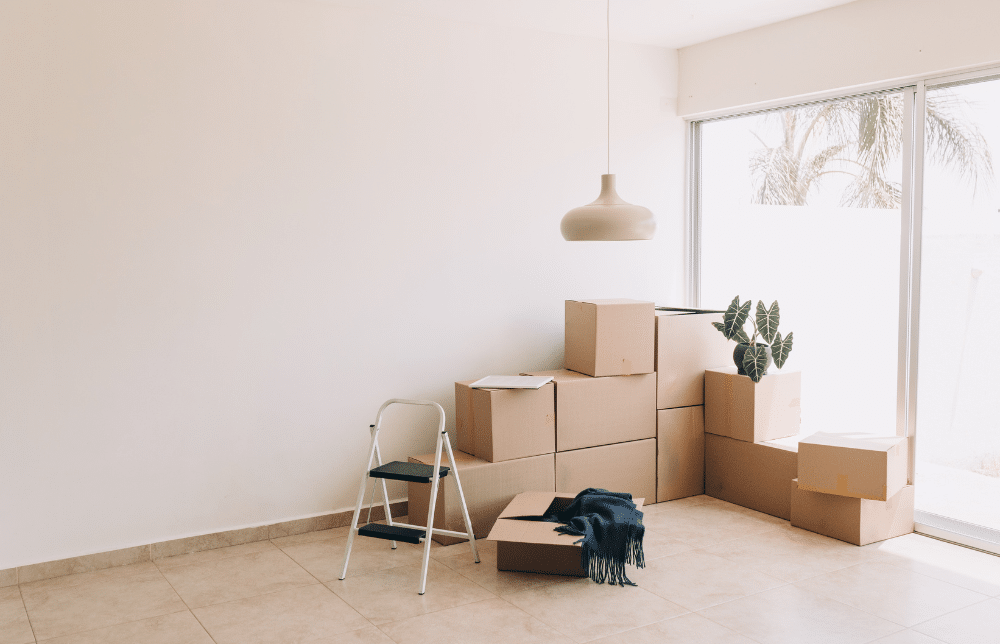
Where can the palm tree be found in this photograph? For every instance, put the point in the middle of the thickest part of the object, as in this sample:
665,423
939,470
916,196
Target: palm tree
860,138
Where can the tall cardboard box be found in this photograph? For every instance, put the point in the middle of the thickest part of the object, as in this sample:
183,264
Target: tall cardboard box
680,453
463,416
609,337
600,411
752,475
513,423
686,345
488,488
737,407
855,464
850,519
623,467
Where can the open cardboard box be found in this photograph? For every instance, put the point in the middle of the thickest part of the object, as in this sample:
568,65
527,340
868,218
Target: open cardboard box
535,546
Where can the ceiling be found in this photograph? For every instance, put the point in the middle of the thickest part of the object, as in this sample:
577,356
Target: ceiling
665,23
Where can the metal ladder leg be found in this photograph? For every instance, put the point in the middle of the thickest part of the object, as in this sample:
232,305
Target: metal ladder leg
357,506
385,492
430,512
461,498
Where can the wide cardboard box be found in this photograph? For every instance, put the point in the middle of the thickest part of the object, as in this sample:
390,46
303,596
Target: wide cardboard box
686,345
623,467
609,337
535,546
513,423
680,453
857,521
600,411
752,475
737,407
855,464
463,416
488,488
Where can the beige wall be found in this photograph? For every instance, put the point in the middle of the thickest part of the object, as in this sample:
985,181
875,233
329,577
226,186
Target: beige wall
866,41
230,229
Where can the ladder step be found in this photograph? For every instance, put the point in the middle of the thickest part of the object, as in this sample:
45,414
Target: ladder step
412,472
392,532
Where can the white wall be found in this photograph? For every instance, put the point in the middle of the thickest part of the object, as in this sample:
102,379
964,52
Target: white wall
862,42
230,229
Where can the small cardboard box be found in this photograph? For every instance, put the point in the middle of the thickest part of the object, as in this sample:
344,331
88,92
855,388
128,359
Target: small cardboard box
686,345
600,411
737,407
752,475
609,337
535,546
513,423
488,488
463,416
857,521
856,464
623,467
680,453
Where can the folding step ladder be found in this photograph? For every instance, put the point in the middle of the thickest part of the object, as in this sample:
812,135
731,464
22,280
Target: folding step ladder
417,473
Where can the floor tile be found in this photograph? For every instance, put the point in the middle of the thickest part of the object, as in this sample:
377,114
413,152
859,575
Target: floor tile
697,579
308,537
790,615
689,629
893,593
907,637
963,567
585,611
498,582
492,621
655,544
391,595
977,624
654,508
175,628
85,563
291,616
325,559
64,606
222,580
709,523
367,635
205,556
14,625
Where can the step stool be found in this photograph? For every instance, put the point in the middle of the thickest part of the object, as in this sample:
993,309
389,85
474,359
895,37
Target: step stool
414,472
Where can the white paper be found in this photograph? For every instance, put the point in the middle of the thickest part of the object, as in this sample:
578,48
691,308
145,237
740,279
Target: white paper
511,382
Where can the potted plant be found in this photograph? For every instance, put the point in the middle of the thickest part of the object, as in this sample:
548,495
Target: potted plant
752,357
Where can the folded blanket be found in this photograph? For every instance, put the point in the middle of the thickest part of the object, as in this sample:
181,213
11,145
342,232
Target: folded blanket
612,531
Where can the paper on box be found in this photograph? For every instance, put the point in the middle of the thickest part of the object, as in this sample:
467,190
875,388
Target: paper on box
609,337
513,423
622,467
752,475
680,453
737,407
686,345
855,464
854,520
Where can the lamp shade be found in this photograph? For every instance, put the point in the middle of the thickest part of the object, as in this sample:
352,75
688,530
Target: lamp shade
608,218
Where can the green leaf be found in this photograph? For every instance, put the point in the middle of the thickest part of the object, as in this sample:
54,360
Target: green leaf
721,327
742,337
755,362
734,319
780,349
767,321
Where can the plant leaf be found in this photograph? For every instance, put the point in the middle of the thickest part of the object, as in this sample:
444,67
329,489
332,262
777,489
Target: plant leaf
721,327
780,349
742,337
734,318
755,361
767,321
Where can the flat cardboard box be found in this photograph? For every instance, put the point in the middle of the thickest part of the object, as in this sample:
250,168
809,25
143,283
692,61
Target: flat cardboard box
463,416
680,453
752,475
737,407
535,546
855,464
513,423
623,467
488,488
686,345
600,411
857,521
609,337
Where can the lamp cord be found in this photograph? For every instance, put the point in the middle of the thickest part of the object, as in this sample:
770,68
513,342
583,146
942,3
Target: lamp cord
608,23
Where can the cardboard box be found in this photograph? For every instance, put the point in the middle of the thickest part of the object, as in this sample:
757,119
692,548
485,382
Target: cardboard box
856,464
623,467
680,453
686,345
600,411
534,546
488,488
737,407
857,521
463,416
609,337
752,475
513,423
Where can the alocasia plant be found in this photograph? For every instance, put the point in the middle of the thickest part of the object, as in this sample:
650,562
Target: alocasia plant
765,327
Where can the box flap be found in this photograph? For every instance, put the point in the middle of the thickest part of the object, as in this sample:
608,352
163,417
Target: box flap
462,460
855,440
614,301
532,504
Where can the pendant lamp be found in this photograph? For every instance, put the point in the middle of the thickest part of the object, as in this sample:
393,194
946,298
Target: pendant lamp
609,217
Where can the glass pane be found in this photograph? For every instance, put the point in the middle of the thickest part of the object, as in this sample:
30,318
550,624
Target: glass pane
802,206
958,431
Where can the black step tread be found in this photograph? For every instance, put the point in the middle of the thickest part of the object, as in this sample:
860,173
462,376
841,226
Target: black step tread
401,471
392,532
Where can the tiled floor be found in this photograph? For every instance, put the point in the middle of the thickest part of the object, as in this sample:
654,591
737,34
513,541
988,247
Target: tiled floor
715,573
